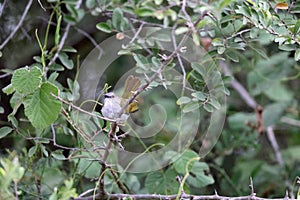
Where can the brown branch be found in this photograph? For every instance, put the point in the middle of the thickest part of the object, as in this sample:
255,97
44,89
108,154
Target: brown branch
173,197
18,25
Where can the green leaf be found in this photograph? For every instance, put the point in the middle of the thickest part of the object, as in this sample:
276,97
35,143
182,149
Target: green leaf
272,113
64,59
104,27
199,96
201,69
225,3
26,80
183,100
198,177
42,108
296,27
4,131
297,55
57,34
58,154
192,106
1,110
232,55
160,36
144,12
117,18
181,30
8,89
237,121
32,151
196,39
180,164
215,103
162,182
208,107
69,49
278,92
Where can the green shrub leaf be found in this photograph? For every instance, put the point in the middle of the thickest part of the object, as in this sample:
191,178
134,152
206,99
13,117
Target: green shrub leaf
42,108
26,80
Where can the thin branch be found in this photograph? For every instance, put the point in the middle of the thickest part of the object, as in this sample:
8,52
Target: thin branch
2,7
274,144
91,39
18,25
64,37
179,59
173,197
16,189
239,87
80,109
39,1
253,194
290,121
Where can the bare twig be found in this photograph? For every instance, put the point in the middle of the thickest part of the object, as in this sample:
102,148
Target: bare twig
179,59
290,121
2,7
80,109
18,25
39,1
16,189
274,144
91,39
239,87
253,194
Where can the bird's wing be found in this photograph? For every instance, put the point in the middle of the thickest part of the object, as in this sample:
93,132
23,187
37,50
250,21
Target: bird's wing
132,83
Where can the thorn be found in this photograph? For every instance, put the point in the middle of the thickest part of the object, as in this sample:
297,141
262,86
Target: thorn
216,193
286,195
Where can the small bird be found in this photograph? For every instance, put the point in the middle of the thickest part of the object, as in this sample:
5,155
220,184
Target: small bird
113,104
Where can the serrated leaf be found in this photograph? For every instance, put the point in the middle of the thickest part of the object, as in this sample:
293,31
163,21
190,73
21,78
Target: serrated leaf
4,131
104,27
42,108
26,80
64,59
